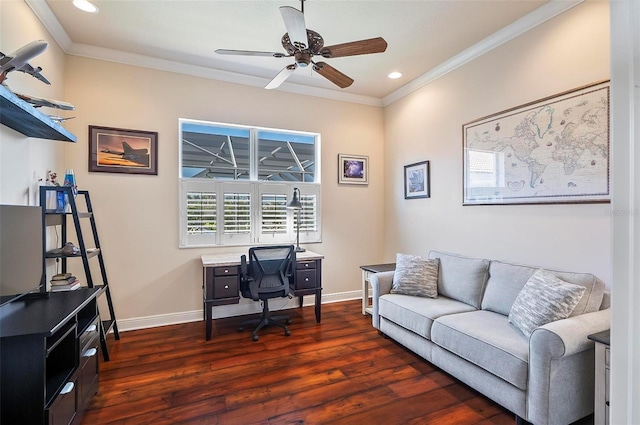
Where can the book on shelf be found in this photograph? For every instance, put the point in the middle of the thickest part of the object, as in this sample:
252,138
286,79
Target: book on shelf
63,281
61,276
69,287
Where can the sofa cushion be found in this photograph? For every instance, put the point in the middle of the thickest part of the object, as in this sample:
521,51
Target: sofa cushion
544,299
415,276
506,280
418,313
462,278
487,340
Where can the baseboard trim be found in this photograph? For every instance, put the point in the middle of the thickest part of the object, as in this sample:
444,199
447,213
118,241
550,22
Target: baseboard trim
244,307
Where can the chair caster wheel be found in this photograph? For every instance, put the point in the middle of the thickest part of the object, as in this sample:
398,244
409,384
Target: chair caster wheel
255,337
287,332
240,328
288,321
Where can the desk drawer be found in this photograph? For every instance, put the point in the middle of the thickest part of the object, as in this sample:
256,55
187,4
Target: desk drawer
304,265
305,279
225,271
63,408
225,287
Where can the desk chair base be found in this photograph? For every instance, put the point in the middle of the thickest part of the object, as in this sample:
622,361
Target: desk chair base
266,320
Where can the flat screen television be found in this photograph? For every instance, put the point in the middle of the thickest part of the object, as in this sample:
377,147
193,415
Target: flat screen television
21,251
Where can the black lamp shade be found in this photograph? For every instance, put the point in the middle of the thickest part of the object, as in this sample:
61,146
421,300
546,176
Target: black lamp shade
294,203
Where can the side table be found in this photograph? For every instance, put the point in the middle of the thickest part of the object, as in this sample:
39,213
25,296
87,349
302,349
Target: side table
601,408
367,271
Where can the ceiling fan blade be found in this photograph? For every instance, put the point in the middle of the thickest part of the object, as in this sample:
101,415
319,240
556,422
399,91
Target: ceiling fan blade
282,75
332,74
297,29
249,53
362,47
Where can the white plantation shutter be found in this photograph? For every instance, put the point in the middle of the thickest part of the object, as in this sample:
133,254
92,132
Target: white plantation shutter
201,213
274,215
198,214
236,213
310,228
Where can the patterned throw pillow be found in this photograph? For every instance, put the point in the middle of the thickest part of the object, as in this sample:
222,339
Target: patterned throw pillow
544,299
415,276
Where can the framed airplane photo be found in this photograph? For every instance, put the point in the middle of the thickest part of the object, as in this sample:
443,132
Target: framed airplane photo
116,150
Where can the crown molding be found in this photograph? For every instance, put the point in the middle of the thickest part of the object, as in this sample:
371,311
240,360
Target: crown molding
44,13
526,23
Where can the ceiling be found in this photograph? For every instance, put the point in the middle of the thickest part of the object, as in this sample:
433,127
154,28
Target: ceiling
182,35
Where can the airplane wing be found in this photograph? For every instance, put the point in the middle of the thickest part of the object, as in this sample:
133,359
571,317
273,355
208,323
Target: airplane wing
35,72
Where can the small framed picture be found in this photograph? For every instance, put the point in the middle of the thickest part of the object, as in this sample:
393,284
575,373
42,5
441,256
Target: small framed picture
353,169
416,180
116,150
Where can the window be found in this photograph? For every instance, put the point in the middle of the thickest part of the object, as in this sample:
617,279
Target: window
236,181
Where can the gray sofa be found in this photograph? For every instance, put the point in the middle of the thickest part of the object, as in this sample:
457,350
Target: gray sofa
546,379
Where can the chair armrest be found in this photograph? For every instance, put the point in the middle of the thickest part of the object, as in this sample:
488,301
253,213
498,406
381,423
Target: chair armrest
243,265
381,284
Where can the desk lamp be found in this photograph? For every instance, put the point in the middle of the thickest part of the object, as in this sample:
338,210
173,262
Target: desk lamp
295,204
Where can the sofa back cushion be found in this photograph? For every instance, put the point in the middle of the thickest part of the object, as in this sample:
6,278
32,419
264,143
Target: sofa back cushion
506,280
462,278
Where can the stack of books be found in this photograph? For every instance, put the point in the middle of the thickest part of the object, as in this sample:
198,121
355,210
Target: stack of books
64,282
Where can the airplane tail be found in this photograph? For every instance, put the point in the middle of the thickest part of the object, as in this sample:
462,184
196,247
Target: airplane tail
129,150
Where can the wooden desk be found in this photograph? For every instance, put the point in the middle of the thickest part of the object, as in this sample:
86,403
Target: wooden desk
221,281
367,271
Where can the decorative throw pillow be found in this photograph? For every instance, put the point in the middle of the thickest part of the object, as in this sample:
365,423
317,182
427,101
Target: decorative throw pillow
415,276
544,299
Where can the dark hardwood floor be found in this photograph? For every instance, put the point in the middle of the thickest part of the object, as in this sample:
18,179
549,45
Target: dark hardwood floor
338,372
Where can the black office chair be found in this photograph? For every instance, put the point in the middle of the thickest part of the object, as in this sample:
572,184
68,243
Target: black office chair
268,275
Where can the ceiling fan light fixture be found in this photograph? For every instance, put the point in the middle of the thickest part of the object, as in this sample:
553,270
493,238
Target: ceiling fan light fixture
395,75
85,6
303,59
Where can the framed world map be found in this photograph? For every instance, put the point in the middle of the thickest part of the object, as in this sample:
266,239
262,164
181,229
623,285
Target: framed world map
553,150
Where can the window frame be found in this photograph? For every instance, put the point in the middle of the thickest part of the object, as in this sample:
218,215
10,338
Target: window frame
256,190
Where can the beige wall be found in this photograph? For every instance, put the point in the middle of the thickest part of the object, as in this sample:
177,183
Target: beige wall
568,51
138,215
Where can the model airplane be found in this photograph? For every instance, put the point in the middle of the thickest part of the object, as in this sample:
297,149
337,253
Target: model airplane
41,101
19,61
141,156
59,119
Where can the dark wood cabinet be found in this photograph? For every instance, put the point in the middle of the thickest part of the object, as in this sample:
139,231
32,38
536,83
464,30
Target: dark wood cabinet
49,357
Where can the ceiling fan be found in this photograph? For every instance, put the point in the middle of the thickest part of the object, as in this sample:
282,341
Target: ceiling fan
303,44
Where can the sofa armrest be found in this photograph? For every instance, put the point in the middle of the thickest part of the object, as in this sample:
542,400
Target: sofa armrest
561,368
565,337
381,284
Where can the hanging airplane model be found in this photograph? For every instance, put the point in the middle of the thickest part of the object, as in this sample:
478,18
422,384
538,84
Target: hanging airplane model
19,61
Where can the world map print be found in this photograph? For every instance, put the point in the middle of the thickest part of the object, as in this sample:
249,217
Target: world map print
551,151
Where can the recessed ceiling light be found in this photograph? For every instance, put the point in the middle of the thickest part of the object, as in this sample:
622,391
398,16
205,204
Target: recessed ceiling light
395,75
85,5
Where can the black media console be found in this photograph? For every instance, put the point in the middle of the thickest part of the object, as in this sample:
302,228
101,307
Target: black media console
49,357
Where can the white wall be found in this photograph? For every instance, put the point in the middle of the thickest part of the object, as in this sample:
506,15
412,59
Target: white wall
23,160
566,52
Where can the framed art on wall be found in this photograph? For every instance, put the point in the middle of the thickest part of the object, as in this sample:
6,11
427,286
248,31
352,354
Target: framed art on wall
551,151
417,181
353,169
116,150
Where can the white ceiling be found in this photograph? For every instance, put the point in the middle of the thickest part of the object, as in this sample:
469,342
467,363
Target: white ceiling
424,36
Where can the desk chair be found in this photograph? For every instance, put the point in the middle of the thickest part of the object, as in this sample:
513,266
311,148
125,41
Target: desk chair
268,275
